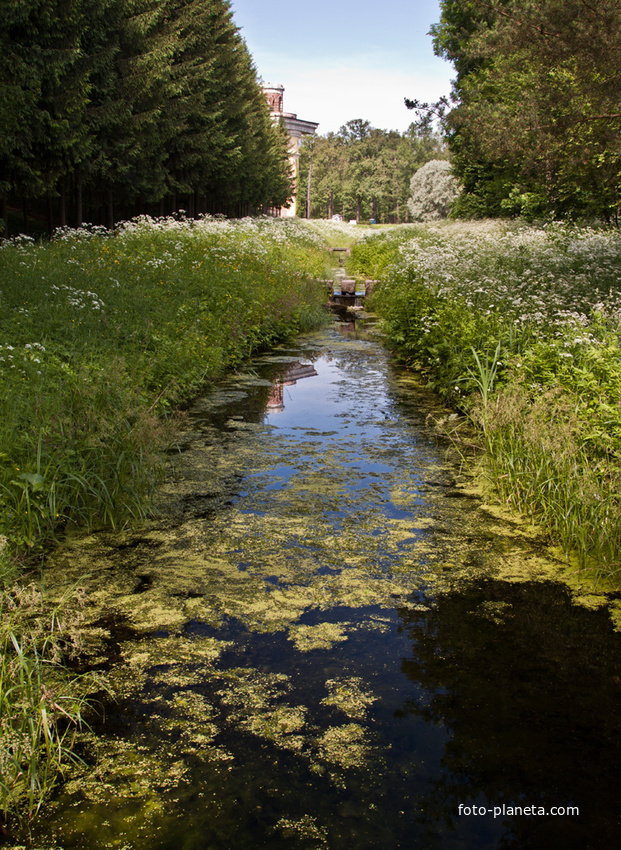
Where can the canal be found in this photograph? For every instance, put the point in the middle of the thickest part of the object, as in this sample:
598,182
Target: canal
328,640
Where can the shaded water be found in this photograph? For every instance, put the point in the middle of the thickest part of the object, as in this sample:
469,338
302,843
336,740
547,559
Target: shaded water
328,641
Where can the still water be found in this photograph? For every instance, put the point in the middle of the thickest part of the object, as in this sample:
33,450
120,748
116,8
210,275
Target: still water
328,641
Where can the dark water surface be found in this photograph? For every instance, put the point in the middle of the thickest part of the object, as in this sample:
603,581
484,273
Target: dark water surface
328,642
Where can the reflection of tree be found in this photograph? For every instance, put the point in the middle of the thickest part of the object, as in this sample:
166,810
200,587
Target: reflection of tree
531,694
297,371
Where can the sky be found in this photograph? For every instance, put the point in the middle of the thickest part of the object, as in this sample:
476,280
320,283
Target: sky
345,59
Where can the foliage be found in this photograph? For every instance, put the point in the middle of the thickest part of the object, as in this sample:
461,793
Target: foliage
520,327
111,108
374,252
535,129
362,172
433,190
41,705
102,333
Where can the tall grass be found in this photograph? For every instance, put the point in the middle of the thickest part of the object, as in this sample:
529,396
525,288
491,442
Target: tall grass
520,327
102,334
41,707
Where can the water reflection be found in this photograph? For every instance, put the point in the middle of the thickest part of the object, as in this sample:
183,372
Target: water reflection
529,687
296,372
313,648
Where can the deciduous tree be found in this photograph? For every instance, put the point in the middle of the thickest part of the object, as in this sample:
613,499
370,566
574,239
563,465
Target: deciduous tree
537,121
362,172
433,190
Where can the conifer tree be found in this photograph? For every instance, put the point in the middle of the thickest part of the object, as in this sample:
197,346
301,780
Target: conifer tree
197,148
44,92
253,147
132,106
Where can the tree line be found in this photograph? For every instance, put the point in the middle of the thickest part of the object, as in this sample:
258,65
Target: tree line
534,119
112,108
362,172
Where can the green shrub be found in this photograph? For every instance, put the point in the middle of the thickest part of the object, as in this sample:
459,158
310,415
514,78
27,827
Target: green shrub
102,334
520,327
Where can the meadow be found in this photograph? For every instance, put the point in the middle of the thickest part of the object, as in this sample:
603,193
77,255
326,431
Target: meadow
518,327
103,333
103,337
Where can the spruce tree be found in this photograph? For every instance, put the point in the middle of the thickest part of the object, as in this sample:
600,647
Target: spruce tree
43,95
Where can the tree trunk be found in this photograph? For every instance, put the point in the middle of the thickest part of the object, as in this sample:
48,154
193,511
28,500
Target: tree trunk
308,188
78,201
50,213
63,205
397,191
25,213
4,218
109,210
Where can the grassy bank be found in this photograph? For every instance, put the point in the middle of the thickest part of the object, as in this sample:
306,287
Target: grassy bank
102,335
520,327
41,703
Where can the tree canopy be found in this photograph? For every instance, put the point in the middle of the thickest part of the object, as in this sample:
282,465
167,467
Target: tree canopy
362,172
536,120
433,191
110,108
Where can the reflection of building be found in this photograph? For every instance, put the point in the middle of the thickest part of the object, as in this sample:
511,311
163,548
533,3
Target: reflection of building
296,129
276,403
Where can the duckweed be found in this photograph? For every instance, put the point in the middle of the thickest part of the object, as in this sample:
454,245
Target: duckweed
257,631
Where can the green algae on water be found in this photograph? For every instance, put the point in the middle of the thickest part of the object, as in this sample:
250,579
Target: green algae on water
285,546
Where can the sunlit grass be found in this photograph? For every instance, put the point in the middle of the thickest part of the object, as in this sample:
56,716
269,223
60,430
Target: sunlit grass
520,327
41,706
102,334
